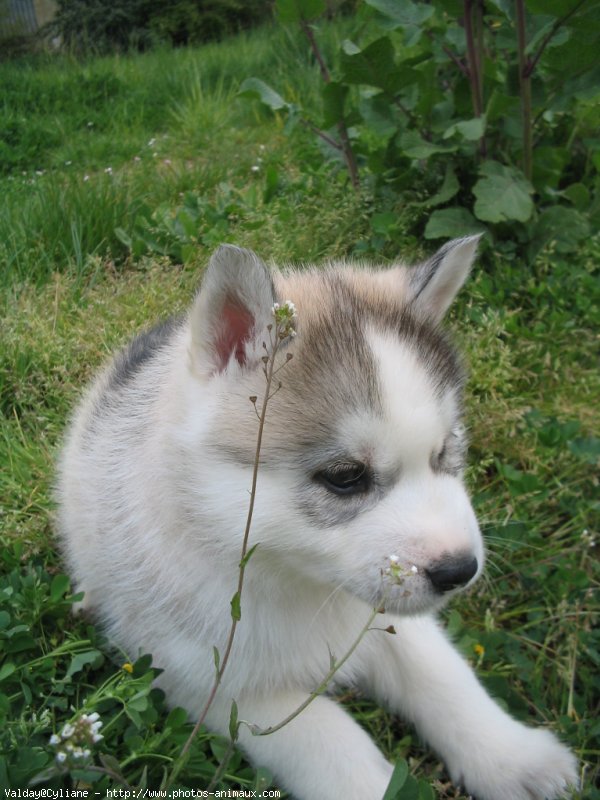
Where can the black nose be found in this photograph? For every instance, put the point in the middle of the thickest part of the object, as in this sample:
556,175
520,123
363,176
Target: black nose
452,572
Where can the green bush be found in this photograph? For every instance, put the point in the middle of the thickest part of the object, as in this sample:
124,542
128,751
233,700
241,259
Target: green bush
479,116
103,26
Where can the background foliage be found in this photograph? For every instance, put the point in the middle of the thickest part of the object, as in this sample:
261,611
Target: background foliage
102,26
452,98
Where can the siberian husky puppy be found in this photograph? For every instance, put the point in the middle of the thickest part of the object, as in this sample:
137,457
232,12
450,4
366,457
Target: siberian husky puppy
361,462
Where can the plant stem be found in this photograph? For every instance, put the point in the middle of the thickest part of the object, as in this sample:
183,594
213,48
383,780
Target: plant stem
242,568
480,55
346,145
452,56
472,60
532,62
525,85
321,134
322,687
222,767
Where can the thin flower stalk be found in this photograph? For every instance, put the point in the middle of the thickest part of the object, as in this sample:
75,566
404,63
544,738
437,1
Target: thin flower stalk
284,327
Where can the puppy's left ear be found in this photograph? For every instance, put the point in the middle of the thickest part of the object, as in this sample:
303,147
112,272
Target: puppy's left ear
231,313
434,284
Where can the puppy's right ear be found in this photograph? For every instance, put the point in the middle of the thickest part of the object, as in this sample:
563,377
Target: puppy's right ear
231,312
434,284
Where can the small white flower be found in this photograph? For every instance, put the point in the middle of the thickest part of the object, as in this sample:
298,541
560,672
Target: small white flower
39,172
97,737
137,158
108,170
255,168
86,177
68,163
61,757
67,731
152,142
394,559
54,739
90,124
94,717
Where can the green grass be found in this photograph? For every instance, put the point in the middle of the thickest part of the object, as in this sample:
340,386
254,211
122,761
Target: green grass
72,291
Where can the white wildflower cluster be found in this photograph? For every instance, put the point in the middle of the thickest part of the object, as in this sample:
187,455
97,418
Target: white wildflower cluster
257,167
285,317
73,744
398,573
588,539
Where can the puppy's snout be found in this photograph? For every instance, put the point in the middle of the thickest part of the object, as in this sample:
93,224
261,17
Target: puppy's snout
452,572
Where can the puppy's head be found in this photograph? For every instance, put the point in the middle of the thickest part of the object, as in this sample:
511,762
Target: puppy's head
360,481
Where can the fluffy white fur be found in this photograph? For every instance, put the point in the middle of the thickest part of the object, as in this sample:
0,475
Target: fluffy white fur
153,495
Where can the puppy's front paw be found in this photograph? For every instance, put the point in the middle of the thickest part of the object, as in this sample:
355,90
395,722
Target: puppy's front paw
520,764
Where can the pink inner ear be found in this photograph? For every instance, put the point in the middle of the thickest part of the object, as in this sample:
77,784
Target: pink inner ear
235,329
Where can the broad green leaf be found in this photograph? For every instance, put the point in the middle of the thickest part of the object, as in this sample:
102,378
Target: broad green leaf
139,702
503,194
505,6
414,146
452,223
292,11
177,718
470,129
580,53
6,670
60,584
262,780
81,660
579,195
334,98
397,781
255,88
501,106
448,189
560,36
426,791
375,66
377,112
548,166
406,14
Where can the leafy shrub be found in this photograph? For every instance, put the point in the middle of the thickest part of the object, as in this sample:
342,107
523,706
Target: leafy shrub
475,113
104,26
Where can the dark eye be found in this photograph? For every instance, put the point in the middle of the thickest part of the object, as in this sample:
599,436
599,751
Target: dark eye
345,478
